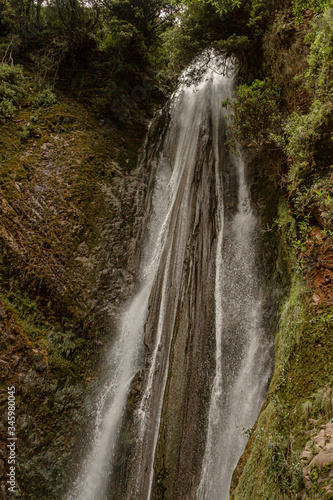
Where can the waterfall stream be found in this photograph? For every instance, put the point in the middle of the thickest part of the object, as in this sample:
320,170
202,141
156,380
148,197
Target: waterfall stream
242,348
195,327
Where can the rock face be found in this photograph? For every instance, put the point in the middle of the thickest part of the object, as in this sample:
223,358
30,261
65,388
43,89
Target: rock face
182,432
71,213
317,465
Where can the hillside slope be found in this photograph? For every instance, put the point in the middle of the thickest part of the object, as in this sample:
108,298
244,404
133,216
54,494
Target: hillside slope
70,218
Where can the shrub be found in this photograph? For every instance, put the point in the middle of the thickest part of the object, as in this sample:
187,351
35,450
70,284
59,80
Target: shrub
256,114
320,73
7,92
11,74
300,135
11,89
300,6
7,109
45,99
302,130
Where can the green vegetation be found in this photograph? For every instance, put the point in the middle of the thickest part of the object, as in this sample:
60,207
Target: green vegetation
11,89
7,109
283,113
45,99
319,73
98,50
57,166
256,114
300,6
299,400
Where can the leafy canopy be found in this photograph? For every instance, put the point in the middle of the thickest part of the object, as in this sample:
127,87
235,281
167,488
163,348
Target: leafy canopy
221,6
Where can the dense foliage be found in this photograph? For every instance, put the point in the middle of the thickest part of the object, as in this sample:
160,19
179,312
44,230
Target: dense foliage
99,49
102,49
11,79
256,115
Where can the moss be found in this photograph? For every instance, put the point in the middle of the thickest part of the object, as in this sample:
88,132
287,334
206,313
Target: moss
57,199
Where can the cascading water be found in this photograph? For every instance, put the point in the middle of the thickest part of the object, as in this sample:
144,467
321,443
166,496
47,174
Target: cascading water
242,347
200,291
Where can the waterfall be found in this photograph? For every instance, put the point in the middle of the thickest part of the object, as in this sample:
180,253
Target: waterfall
242,348
194,330
125,355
